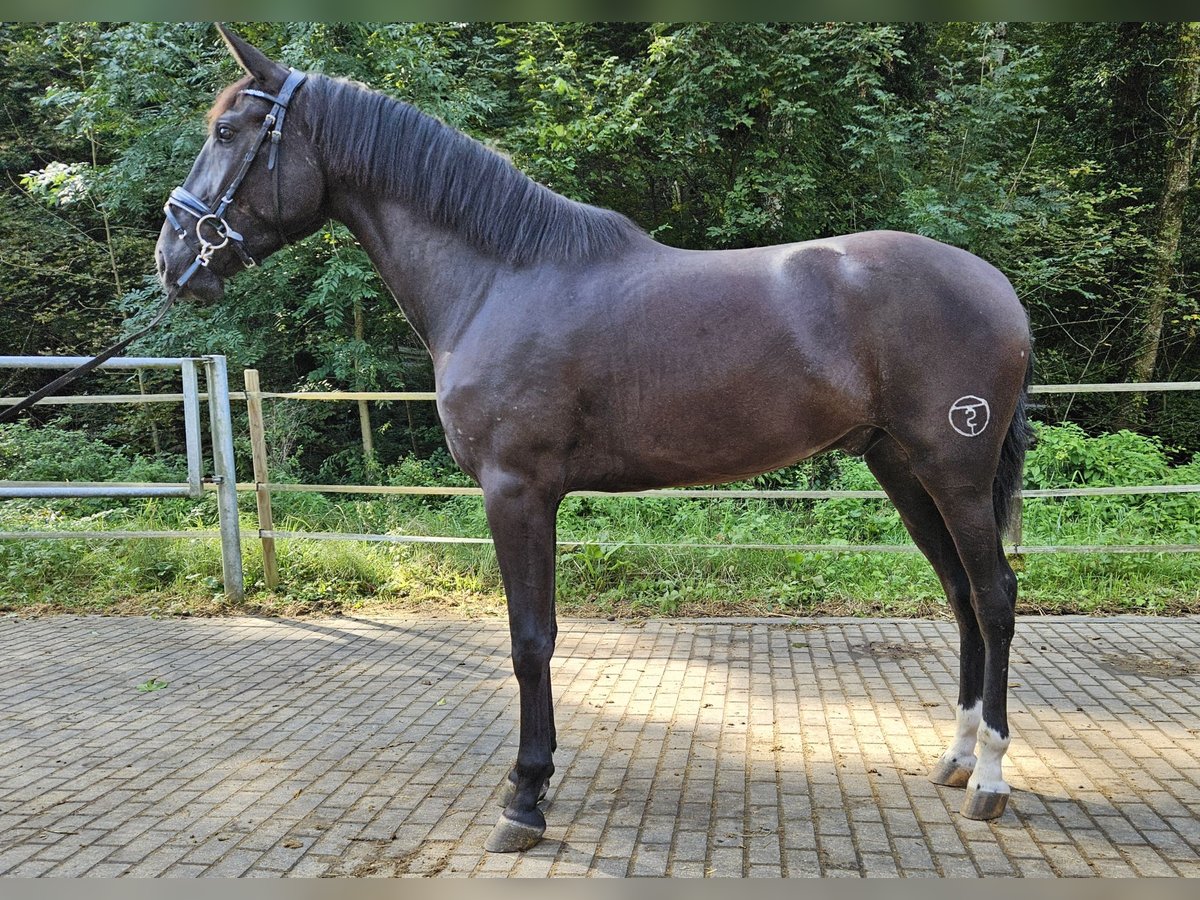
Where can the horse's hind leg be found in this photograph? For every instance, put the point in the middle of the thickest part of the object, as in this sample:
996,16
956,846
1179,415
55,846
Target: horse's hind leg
968,512
924,522
521,519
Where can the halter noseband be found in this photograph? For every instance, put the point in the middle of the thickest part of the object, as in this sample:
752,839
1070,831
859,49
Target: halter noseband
213,218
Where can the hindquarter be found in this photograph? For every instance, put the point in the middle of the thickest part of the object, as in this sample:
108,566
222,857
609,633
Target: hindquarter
952,346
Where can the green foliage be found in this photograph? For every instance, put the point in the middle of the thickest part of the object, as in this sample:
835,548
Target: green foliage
1035,145
56,454
858,521
618,562
437,469
1065,456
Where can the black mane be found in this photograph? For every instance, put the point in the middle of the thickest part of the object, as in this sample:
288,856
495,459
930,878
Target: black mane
394,148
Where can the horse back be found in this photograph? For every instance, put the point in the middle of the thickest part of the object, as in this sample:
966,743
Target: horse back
669,367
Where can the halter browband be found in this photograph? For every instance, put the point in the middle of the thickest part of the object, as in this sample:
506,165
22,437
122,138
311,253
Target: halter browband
214,217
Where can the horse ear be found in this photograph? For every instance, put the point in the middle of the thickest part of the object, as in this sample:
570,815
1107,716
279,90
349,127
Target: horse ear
256,63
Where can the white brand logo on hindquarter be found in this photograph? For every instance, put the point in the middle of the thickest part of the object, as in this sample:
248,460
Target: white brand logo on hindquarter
970,415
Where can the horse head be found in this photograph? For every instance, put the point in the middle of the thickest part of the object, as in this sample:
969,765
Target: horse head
255,185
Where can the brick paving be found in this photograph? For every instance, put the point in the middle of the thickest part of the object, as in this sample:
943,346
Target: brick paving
349,746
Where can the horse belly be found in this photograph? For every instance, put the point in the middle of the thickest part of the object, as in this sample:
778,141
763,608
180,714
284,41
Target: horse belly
741,374
652,435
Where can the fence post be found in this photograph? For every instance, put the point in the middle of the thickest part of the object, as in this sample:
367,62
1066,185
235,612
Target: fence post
1018,528
225,476
191,427
258,453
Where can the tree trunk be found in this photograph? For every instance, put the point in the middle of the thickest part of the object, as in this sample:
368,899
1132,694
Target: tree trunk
364,412
1181,150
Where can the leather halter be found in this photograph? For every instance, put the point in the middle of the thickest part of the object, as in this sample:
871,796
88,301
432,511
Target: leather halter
211,219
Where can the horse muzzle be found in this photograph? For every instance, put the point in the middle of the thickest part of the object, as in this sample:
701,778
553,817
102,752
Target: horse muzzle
173,258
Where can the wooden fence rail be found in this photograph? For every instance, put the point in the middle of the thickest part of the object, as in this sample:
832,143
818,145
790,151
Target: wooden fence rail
264,487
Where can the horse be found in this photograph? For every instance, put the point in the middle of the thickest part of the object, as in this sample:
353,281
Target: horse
572,351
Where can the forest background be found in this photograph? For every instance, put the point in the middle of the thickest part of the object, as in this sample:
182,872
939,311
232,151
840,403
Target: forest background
1061,152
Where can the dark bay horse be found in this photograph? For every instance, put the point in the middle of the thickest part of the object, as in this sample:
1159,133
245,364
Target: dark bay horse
572,351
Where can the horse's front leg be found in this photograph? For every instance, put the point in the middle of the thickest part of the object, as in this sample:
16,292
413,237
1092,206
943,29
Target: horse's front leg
521,516
510,786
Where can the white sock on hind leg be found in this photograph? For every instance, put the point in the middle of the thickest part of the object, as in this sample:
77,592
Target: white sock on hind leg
988,775
962,751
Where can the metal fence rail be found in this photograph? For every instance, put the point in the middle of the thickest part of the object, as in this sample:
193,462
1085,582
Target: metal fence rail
1016,549
708,493
263,487
223,480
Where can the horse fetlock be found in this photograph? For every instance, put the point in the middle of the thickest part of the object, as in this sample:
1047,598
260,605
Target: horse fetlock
988,776
509,790
956,765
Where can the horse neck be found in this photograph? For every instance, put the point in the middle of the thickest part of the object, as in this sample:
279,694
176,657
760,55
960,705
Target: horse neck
437,277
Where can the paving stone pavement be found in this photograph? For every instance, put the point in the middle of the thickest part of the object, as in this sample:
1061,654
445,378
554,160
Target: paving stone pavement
353,746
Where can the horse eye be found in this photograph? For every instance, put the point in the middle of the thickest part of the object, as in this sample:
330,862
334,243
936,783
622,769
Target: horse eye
225,134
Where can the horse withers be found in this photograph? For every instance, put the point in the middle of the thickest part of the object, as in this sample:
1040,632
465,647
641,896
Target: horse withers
573,352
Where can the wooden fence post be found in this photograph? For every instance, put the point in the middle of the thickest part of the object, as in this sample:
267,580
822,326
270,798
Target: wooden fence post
258,453
1018,526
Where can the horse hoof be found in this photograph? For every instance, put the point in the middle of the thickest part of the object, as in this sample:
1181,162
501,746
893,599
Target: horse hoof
983,805
510,790
511,836
949,773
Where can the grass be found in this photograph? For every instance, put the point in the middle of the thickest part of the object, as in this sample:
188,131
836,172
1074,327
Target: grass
173,577
623,578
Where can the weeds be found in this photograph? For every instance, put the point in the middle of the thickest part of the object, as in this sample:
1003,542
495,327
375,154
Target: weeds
609,571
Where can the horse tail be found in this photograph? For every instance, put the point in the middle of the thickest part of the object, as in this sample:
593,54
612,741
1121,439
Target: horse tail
1007,484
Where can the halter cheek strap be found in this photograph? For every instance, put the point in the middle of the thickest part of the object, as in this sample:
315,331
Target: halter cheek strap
211,230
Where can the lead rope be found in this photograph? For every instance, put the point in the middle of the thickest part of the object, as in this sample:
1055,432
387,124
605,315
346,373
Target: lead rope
79,371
